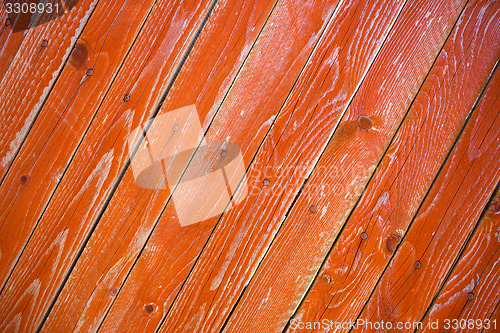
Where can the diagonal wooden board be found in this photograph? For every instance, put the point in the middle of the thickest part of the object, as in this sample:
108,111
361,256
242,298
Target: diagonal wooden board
405,174
472,290
236,25
343,170
448,214
143,77
32,73
62,123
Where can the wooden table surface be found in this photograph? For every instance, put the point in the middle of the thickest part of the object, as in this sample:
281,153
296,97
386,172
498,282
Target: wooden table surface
369,135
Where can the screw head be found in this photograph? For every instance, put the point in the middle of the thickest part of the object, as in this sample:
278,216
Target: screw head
126,97
470,296
175,127
266,182
223,153
45,43
417,264
364,235
90,72
313,209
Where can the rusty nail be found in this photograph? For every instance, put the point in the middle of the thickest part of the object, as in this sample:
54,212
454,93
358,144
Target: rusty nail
114,291
90,72
175,127
265,182
365,122
470,296
126,98
149,308
24,179
45,43
417,264
223,153
7,22
364,235
313,209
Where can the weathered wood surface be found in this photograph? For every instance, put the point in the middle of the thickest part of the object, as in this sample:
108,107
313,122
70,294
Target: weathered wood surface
237,25
344,168
32,73
315,93
287,156
409,167
449,212
472,291
81,193
243,119
67,113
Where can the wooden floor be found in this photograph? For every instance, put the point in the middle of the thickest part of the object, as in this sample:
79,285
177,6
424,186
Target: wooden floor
370,134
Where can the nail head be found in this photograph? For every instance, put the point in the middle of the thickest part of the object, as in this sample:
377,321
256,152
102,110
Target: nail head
149,308
470,296
364,235
223,153
24,179
45,43
175,127
313,209
126,98
90,72
417,264
265,182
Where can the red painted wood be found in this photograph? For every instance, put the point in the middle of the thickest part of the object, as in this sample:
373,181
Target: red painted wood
472,291
449,212
343,170
64,118
287,156
80,194
32,74
105,265
391,200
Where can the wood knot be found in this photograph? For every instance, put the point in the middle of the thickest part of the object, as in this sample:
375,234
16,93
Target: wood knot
392,242
79,55
325,278
365,122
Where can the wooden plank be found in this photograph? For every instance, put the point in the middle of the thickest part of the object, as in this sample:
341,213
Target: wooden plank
39,67
67,113
405,174
84,188
246,115
288,154
344,168
9,41
237,25
449,212
472,291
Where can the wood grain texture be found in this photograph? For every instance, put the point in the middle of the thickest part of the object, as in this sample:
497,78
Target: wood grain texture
246,115
449,212
67,113
477,272
344,168
128,220
100,157
32,74
402,179
285,159
9,41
